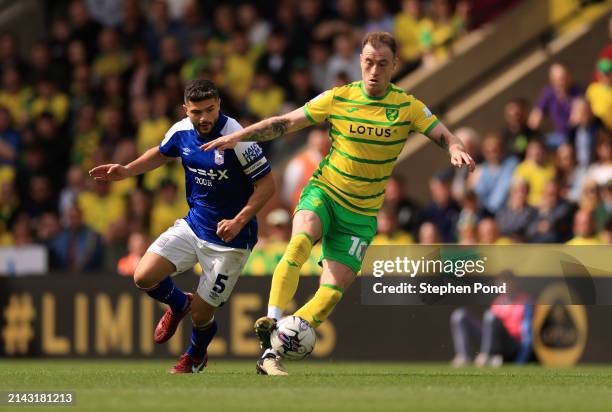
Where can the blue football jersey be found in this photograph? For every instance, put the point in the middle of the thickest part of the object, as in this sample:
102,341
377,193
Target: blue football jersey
218,183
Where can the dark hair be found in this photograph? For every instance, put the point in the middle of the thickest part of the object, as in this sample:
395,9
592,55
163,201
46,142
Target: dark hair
380,38
198,90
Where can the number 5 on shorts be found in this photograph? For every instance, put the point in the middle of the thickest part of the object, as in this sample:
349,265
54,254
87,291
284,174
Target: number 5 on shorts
357,247
219,285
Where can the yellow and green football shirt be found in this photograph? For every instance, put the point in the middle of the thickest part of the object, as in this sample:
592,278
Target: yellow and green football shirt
367,134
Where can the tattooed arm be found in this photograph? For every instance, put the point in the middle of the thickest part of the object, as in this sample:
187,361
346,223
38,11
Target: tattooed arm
262,131
441,136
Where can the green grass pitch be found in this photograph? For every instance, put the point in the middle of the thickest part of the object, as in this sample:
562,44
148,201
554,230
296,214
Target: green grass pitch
313,386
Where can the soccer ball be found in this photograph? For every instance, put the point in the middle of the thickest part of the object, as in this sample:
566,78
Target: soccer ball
293,338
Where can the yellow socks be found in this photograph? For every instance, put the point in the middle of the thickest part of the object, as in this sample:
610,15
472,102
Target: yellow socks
317,309
287,274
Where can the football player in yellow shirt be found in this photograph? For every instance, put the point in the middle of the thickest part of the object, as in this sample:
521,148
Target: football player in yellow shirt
370,121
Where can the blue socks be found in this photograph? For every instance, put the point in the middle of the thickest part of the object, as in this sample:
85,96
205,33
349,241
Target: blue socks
200,339
167,292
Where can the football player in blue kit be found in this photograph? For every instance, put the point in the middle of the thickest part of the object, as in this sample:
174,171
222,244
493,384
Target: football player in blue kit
225,189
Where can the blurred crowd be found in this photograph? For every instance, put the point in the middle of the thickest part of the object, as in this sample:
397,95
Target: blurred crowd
103,84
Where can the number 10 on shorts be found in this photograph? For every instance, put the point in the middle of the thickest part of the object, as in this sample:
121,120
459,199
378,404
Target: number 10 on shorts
358,247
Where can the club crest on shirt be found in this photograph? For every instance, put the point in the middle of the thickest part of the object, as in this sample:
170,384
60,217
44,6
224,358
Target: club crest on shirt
392,114
219,157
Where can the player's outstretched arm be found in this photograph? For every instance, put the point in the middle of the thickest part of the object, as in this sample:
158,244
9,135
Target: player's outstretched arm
441,136
264,189
151,159
267,129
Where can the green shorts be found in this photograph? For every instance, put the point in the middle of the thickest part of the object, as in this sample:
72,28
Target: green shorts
346,234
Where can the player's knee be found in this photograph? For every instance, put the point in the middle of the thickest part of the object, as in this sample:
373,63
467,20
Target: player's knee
142,278
489,316
298,249
458,316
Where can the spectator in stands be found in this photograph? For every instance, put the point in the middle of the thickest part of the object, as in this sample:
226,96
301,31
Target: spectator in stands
389,231
428,234
6,237
311,13
584,229
47,228
193,21
81,88
22,233
75,185
77,248
488,233
43,67
83,27
471,141
344,59
9,203
266,98
443,211
583,131
168,206
514,219
160,25
552,223
14,95
10,138
111,60
50,140
139,210
407,28
536,169
440,30
240,66
302,88
348,17
100,207
151,122
137,246
601,169
59,37
87,136
590,200
492,178
606,51
555,102
505,333
377,16
9,53
140,73
47,99
516,133
255,28
170,61
302,166
319,57
408,213
599,94
133,24
468,218
41,198
568,173
276,59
